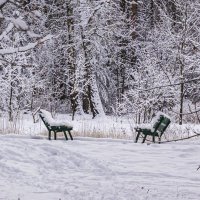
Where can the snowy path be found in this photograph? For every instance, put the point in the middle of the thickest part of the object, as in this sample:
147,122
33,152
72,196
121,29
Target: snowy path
40,169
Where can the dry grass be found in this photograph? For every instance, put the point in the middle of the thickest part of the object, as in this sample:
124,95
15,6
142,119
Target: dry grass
94,134
89,128
99,134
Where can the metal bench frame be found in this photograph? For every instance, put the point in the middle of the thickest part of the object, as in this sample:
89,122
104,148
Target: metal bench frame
159,128
56,129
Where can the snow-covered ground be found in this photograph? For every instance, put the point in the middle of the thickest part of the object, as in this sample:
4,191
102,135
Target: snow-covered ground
97,169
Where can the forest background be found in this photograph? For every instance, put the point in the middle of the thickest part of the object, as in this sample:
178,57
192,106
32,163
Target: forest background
101,57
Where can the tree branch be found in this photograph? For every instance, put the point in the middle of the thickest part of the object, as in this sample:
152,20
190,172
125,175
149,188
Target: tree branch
163,86
29,46
8,29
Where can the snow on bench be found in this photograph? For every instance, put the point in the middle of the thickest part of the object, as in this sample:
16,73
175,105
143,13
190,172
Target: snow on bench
54,125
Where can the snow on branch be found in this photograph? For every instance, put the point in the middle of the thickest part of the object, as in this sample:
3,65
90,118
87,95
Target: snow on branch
3,2
25,48
132,3
8,29
19,23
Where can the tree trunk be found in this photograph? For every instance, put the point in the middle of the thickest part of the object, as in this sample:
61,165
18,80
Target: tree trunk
10,104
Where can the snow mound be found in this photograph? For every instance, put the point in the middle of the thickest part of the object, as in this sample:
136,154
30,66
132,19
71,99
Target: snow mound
80,170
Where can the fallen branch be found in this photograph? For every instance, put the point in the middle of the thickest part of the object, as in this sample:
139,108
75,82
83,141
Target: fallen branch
186,138
175,140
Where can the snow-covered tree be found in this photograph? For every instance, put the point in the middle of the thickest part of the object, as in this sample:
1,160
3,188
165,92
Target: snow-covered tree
20,34
167,55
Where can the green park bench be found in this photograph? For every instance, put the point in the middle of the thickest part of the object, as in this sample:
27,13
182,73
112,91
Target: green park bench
55,126
158,126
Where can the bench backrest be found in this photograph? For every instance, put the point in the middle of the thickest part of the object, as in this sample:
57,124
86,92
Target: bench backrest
44,121
46,118
161,124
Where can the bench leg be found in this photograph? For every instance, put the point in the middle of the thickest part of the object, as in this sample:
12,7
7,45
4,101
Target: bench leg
49,135
159,140
153,138
70,135
137,137
144,138
54,135
65,135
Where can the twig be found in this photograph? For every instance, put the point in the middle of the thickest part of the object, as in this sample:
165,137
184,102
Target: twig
34,113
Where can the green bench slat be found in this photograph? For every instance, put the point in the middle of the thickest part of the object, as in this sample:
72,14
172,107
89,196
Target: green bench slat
159,128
